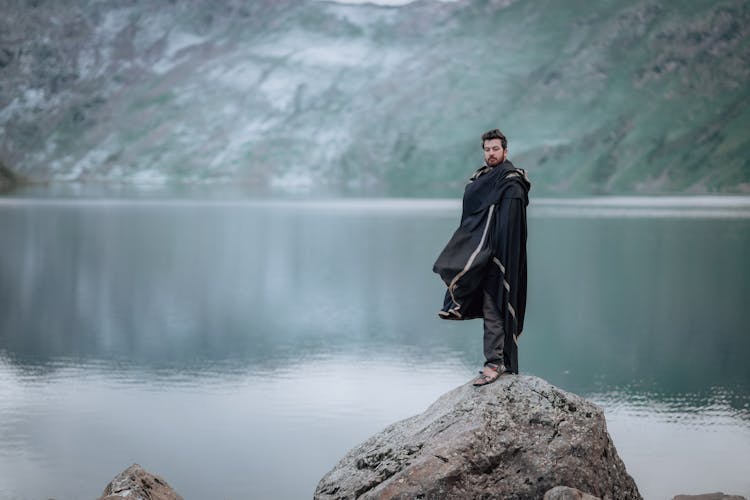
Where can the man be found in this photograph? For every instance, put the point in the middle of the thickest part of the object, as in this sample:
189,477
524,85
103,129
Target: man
484,263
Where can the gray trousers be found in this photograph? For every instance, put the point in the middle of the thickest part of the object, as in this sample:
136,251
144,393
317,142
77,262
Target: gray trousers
500,347
494,330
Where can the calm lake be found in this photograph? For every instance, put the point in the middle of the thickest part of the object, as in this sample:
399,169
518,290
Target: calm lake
240,348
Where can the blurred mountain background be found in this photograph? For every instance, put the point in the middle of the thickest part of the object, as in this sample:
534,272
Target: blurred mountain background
605,97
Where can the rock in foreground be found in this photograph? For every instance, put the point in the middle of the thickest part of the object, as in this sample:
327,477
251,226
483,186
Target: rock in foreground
514,439
709,496
567,493
134,483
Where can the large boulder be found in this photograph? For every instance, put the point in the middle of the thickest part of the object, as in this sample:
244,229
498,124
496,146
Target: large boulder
514,439
135,483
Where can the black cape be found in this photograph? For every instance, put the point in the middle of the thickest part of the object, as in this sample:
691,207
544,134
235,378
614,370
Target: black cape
489,244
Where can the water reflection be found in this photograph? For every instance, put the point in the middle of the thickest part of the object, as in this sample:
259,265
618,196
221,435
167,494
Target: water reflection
233,429
664,445
236,431
171,283
226,337
643,301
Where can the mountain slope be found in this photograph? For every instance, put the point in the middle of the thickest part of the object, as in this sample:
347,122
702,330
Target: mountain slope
612,97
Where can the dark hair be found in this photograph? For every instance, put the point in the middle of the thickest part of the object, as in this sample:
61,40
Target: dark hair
494,134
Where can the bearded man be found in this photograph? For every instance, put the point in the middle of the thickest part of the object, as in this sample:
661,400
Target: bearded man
484,263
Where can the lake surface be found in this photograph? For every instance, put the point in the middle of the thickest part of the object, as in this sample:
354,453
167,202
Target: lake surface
240,348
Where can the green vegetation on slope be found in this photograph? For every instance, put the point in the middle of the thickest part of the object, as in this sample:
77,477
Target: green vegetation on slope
610,97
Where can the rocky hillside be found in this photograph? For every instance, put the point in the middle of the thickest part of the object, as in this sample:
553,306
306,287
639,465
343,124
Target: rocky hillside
616,96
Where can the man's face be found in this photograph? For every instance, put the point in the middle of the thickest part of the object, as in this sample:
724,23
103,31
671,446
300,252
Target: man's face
494,154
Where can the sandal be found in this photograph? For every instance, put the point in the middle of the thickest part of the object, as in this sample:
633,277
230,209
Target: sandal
484,378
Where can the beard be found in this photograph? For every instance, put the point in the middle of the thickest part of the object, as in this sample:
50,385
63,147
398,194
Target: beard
494,160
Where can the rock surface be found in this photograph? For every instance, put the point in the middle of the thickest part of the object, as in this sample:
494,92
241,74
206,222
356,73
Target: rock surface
135,483
567,493
709,496
514,439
